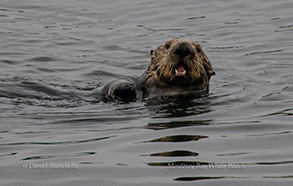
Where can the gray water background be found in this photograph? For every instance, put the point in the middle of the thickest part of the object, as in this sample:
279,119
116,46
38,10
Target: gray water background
55,54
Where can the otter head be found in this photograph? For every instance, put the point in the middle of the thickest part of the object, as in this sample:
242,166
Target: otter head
180,62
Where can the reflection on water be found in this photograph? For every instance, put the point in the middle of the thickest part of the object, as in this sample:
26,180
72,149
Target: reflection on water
179,138
175,153
201,178
179,106
55,56
176,124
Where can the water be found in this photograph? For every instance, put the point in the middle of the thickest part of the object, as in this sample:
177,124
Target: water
56,54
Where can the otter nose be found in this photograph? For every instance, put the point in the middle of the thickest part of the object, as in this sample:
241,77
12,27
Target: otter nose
182,51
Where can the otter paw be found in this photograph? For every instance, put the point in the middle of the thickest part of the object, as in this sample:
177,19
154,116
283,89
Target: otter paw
125,93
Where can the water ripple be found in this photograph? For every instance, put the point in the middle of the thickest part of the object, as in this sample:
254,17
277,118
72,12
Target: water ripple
52,156
176,153
199,178
57,143
179,138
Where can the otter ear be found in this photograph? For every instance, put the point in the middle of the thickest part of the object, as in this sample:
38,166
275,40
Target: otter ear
151,52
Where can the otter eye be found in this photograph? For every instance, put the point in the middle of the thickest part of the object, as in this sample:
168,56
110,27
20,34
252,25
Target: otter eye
151,52
167,46
198,49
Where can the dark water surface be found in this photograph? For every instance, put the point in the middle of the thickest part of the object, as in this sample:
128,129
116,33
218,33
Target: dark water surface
54,55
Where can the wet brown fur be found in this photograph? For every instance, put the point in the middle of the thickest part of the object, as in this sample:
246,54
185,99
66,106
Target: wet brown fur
159,79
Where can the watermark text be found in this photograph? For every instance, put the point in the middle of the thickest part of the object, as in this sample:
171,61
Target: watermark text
49,166
201,166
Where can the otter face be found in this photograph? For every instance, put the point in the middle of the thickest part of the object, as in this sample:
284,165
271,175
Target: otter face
180,62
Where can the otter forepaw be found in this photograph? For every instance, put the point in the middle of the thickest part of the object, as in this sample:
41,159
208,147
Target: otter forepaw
124,92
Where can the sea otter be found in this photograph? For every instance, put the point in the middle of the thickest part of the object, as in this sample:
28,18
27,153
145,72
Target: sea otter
177,67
